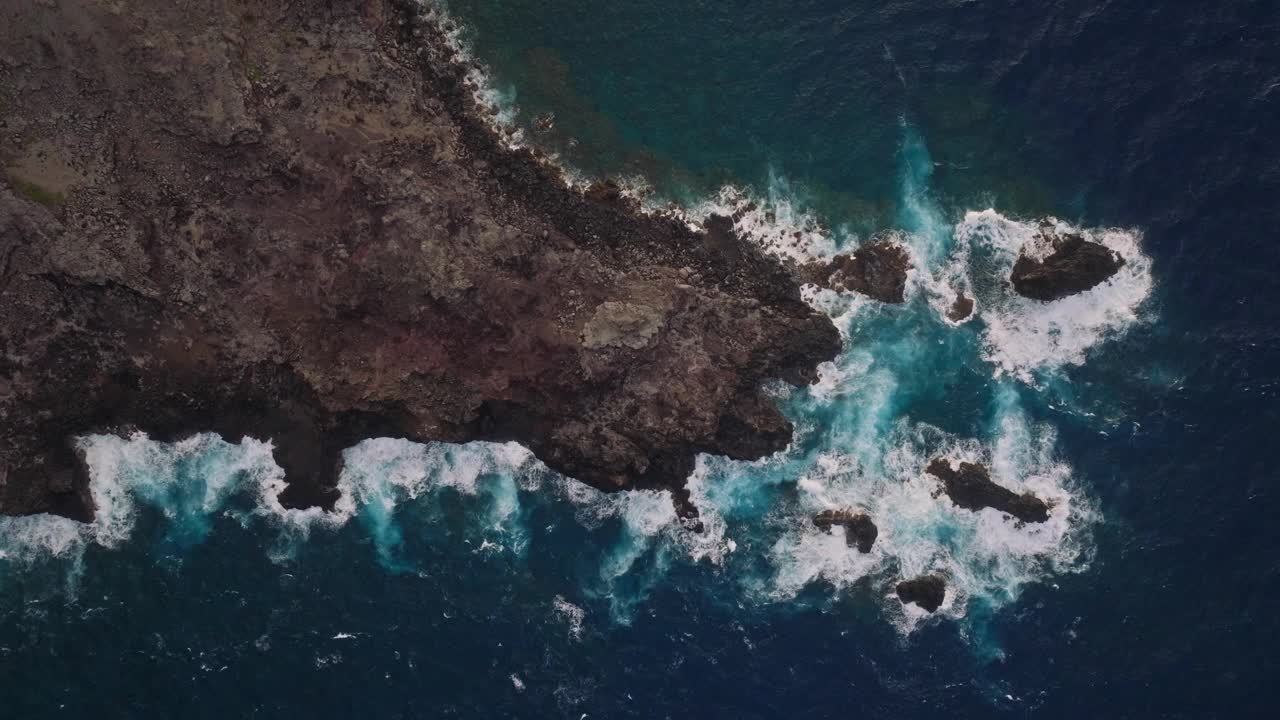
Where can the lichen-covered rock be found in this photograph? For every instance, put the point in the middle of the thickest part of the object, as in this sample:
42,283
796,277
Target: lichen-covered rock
971,488
293,221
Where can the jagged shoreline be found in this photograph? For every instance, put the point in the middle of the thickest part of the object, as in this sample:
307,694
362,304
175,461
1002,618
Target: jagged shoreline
295,223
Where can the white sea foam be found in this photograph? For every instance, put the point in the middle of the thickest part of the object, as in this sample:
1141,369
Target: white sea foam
187,481
33,538
498,107
775,220
571,615
1024,336
380,474
982,554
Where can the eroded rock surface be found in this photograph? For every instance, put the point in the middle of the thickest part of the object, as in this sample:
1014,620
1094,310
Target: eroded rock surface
859,530
971,488
1071,265
961,309
289,221
878,270
927,591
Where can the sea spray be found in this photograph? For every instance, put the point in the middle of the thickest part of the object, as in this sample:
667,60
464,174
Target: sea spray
1025,337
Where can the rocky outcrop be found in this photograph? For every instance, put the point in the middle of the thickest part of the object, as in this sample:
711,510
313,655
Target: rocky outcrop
927,591
859,530
878,270
961,309
971,488
1054,266
292,221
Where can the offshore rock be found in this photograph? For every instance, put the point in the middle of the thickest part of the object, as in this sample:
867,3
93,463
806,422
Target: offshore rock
859,530
878,270
971,488
292,221
1071,266
927,591
961,309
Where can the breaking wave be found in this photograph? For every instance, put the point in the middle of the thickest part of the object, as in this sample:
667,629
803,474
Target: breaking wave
1023,336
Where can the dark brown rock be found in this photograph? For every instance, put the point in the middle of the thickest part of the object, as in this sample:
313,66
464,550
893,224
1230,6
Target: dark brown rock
878,270
971,488
859,530
292,221
1073,266
927,591
961,309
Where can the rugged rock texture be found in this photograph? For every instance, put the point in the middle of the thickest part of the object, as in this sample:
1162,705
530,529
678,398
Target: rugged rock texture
288,221
878,270
971,488
1072,266
961,309
927,591
859,530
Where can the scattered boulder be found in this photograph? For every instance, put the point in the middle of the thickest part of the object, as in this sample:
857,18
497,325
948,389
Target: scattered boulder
1073,266
859,530
878,270
927,591
971,488
961,309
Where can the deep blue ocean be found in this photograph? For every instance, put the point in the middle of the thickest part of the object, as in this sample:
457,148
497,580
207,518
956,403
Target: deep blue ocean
468,581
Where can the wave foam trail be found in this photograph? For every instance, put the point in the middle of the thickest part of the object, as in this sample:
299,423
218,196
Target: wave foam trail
982,554
857,447
777,221
499,106
188,481
927,230
1025,336
380,474
29,539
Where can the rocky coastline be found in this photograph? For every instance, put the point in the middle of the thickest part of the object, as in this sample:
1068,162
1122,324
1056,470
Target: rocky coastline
293,222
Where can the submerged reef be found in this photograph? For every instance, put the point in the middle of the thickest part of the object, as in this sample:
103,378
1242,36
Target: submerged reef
295,222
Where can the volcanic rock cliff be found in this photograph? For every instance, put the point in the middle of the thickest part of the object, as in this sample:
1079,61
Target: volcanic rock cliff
289,220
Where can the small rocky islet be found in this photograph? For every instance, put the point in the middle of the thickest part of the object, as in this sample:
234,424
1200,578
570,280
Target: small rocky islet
1072,266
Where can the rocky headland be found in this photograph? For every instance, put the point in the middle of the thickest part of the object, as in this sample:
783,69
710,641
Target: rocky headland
292,221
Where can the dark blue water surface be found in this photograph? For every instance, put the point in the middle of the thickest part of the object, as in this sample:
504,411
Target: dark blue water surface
470,582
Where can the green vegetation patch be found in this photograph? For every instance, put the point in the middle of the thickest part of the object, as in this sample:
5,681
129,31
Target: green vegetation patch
47,198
